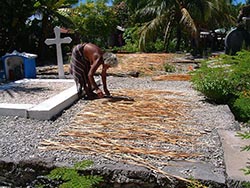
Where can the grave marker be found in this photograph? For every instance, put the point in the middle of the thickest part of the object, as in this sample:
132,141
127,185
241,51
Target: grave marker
58,41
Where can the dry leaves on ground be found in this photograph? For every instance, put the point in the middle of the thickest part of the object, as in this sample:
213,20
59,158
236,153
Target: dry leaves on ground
144,63
146,123
172,77
142,127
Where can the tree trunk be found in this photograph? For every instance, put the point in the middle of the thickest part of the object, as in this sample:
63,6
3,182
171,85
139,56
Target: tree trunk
178,36
41,46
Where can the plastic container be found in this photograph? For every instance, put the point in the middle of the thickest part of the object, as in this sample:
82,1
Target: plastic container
19,65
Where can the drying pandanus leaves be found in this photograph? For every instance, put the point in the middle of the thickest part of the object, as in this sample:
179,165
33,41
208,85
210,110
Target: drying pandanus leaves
133,125
172,77
140,64
143,63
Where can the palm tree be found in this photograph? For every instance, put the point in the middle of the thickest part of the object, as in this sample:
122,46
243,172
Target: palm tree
13,25
179,16
49,10
94,21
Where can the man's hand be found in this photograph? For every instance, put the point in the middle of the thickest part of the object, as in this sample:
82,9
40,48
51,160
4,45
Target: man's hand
99,93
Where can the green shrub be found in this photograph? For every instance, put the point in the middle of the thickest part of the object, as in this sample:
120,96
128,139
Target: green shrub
169,68
213,82
130,47
172,46
131,37
245,135
159,46
225,79
72,178
246,184
241,108
155,46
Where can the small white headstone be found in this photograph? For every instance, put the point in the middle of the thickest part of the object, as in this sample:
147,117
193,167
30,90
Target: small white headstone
58,41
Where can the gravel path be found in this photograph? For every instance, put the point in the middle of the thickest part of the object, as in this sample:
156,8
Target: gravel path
20,137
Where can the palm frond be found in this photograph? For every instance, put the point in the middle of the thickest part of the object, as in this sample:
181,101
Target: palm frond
154,8
168,30
149,30
166,34
147,11
64,18
188,21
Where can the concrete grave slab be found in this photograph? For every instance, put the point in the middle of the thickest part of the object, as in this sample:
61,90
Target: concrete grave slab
46,109
54,105
7,109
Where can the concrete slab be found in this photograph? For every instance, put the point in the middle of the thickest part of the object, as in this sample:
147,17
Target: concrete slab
20,110
196,169
235,159
45,110
54,105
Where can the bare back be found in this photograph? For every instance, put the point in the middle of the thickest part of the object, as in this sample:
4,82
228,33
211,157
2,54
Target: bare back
93,54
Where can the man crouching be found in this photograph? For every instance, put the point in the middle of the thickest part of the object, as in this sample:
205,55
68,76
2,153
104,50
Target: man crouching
85,60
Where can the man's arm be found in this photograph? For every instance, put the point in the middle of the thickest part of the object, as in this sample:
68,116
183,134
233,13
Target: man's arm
96,63
104,79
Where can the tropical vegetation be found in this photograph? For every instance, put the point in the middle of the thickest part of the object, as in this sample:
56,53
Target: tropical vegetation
68,177
225,80
150,25
94,22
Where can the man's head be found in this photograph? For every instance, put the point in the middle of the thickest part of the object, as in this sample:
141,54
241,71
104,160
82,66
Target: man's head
110,59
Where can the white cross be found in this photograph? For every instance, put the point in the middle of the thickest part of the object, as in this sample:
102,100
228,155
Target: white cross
58,41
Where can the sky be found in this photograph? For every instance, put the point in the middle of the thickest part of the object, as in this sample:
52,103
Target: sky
83,1
239,1
235,1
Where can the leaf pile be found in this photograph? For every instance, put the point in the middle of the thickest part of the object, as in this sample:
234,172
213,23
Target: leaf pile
144,63
142,127
142,122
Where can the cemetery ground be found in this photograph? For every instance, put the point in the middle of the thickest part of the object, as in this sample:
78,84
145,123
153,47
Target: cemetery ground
155,131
